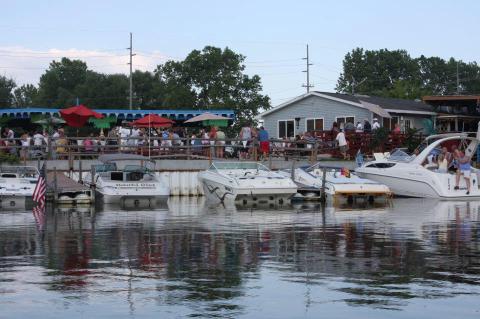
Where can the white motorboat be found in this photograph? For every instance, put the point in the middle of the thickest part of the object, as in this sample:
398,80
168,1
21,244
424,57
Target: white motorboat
124,178
17,184
246,181
412,176
340,185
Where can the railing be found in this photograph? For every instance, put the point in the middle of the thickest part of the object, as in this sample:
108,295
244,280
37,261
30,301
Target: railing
72,148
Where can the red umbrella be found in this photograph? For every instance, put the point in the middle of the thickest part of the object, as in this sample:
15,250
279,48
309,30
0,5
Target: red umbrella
152,120
77,116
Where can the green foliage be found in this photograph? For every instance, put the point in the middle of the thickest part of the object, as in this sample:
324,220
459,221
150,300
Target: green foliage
6,91
9,159
396,74
379,137
213,79
25,95
412,139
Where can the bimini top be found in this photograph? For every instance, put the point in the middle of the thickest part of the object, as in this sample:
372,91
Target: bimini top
122,157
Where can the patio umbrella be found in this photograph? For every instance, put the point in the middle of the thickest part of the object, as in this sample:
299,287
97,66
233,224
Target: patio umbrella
153,120
102,123
77,116
209,119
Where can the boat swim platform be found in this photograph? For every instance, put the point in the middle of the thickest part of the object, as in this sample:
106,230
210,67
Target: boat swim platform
63,190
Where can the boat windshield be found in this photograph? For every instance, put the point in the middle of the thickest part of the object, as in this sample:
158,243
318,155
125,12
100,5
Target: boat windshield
108,167
20,171
238,165
400,155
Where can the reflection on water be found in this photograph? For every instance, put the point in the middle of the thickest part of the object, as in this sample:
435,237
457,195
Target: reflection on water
417,258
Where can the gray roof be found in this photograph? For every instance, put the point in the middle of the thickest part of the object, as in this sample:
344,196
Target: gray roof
384,102
392,105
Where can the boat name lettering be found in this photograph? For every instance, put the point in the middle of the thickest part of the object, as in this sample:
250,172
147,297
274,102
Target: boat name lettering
130,185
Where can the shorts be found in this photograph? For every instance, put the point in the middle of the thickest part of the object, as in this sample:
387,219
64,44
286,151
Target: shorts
343,148
466,173
264,146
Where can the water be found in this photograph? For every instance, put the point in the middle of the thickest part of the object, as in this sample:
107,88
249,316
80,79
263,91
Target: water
415,259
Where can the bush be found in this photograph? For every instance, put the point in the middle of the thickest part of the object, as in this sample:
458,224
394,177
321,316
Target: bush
412,139
9,159
379,138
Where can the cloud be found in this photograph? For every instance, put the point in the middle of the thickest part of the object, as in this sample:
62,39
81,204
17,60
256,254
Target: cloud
26,65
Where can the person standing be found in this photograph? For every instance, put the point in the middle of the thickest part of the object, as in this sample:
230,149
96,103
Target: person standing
342,143
220,142
375,125
367,127
359,128
25,140
245,137
464,168
264,142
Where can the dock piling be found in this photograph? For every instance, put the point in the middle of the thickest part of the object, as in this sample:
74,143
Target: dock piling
323,195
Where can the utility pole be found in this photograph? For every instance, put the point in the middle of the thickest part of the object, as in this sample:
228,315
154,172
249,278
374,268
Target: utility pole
308,86
130,103
354,84
458,80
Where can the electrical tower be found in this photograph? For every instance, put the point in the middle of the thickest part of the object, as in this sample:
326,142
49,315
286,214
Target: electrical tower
308,86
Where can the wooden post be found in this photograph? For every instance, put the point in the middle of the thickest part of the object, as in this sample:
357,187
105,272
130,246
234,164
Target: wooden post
293,170
315,152
188,146
323,195
55,185
80,171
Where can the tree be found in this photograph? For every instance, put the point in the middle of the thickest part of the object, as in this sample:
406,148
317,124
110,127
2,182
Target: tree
25,95
213,79
57,85
396,74
6,91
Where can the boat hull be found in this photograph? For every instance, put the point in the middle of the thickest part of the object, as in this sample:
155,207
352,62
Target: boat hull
427,185
218,191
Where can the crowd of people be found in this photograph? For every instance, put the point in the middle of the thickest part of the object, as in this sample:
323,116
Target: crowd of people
250,141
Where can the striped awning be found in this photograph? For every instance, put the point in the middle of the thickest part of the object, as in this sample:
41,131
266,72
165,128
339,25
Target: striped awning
123,114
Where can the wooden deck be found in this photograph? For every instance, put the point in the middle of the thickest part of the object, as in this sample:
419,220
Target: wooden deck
64,190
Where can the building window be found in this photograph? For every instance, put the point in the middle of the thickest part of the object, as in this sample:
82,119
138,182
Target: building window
389,123
407,124
286,128
344,119
314,125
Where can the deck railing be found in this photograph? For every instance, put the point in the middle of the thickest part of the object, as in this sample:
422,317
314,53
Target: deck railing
323,143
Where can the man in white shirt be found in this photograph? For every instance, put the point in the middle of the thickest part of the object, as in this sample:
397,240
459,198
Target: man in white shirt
38,140
342,143
359,128
375,125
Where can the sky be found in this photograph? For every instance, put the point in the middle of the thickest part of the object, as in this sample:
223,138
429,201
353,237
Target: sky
271,34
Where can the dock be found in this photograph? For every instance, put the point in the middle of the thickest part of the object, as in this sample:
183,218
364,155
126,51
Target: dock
63,190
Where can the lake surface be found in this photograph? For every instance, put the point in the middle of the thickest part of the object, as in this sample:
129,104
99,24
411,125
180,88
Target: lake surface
415,259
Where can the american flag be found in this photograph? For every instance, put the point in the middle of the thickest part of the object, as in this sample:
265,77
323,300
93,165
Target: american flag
39,198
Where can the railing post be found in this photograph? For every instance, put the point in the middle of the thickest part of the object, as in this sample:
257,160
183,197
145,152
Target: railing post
55,185
188,146
80,171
